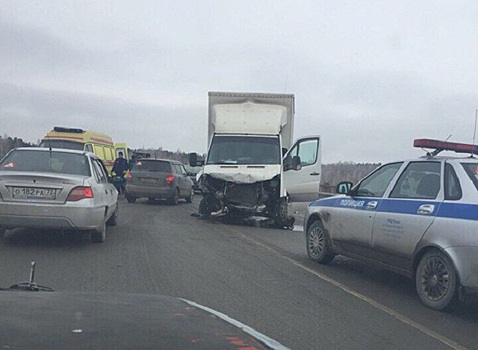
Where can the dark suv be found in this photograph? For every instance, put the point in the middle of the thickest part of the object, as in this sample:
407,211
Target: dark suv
158,179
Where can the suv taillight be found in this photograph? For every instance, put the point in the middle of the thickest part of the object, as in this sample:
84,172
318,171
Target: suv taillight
129,177
80,192
169,180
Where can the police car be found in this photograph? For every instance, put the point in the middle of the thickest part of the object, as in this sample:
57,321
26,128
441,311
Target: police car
417,217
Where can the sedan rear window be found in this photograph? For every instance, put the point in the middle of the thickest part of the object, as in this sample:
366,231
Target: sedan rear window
152,165
472,171
46,162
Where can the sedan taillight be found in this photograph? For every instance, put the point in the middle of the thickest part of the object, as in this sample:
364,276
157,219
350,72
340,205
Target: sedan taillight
169,180
80,192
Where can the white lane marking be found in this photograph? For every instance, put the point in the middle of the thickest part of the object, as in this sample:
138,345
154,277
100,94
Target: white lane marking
271,343
391,312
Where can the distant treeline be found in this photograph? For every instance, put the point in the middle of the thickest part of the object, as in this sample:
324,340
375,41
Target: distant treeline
159,153
7,143
332,174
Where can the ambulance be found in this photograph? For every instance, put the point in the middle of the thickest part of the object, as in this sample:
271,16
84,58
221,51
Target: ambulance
74,138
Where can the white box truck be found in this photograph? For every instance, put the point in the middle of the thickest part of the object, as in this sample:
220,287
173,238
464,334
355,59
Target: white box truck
251,167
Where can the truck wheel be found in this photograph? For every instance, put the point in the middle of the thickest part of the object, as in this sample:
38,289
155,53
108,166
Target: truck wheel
206,206
280,214
99,235
436,280
318,244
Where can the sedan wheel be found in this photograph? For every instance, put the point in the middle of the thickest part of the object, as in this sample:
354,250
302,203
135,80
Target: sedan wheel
436,280
113,220
99,235
174,200
130,199
189,198
318,244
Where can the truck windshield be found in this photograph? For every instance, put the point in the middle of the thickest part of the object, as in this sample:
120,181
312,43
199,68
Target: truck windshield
244,150
62,144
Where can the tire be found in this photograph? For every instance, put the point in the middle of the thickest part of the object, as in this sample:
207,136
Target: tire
130,199
280,215
436,280
189,199
174,200
318,244
206,206
99,235
113,220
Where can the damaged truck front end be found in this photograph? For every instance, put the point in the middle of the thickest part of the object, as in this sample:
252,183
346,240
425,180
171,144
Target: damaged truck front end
241,199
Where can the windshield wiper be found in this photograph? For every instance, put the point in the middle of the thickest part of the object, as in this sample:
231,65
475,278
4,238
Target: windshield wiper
30,286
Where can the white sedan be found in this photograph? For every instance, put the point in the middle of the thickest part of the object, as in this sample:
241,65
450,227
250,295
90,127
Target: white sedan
58,189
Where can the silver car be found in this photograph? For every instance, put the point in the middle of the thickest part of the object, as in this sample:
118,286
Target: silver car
416,217
159,179
58,189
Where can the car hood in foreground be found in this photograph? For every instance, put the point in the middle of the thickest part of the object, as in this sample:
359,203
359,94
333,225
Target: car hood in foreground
57,320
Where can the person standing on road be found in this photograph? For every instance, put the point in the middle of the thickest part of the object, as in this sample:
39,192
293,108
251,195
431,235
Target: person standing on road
119,168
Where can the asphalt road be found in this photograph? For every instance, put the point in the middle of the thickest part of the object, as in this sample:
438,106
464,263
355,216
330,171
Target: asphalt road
259,276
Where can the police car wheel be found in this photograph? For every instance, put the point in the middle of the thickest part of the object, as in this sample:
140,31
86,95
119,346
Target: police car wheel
318,244
436,280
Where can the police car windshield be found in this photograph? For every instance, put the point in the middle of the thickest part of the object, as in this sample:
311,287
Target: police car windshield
472,171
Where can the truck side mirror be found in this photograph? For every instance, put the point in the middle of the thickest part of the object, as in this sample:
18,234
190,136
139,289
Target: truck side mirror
193,159
296,164
344,187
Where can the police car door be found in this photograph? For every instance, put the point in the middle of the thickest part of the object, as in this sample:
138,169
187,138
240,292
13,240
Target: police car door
403,218
354,214
302,182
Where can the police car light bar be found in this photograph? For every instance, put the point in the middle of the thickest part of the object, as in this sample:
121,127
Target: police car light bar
445,146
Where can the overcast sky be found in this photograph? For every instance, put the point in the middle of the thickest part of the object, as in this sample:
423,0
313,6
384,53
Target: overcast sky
368,76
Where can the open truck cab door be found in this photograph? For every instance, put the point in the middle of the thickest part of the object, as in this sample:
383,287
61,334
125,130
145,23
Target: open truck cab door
302,169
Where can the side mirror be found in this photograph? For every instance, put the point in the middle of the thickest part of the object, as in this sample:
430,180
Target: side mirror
344,187
296,164
193,159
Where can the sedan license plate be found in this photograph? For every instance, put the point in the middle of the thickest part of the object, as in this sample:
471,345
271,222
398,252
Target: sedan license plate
148,180
33,193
